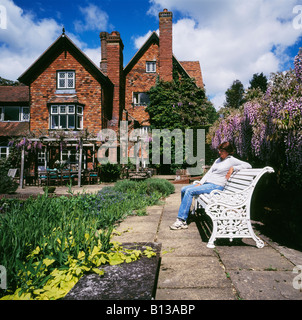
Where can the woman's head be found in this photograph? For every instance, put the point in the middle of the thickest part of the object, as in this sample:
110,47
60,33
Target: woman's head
227,147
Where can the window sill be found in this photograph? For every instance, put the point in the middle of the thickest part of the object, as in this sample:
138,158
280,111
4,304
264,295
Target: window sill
65,91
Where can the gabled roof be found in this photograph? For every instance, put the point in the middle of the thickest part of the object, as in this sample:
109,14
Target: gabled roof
190,68
152,39
63,43
194,70
14,94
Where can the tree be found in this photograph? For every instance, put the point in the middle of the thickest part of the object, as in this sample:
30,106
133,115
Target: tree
259,81
179,104
234,95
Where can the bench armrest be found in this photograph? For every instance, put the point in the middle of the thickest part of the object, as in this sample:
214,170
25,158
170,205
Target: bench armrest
230,198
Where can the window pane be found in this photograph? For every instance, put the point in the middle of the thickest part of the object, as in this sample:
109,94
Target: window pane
62,109
25,114
144,98
62,83
70,83
63,120
79,122
54,109
54,122
71,121
70,109
80,110
11,114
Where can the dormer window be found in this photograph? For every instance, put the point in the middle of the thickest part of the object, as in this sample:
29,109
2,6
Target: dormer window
66,79
151,66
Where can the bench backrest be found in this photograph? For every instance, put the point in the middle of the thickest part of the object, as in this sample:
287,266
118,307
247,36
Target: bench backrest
245,178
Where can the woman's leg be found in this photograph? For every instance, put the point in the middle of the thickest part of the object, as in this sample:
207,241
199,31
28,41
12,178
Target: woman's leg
191,192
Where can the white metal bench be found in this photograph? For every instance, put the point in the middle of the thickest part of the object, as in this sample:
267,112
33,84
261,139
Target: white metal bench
229,209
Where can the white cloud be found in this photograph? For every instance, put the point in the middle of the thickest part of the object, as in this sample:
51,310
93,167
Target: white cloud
232,39
94,19
26,38
23,40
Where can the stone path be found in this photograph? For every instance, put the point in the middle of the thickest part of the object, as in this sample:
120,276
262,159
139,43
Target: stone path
191,271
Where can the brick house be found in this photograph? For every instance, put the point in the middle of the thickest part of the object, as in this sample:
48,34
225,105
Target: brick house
63,91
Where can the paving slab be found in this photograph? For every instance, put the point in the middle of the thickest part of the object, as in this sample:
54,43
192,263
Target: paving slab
253,258
185,294
265,285
197,272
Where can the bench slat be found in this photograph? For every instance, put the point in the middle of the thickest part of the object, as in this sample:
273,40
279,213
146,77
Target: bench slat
240,181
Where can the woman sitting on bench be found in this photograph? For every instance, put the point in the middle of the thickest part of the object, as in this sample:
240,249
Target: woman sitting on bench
214,179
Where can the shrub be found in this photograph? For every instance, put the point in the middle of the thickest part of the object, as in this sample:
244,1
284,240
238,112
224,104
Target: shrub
7,184
110,172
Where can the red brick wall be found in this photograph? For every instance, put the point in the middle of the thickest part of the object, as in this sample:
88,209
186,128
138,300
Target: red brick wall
88,91
138,80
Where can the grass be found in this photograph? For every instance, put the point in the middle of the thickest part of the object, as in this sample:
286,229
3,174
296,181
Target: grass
59,229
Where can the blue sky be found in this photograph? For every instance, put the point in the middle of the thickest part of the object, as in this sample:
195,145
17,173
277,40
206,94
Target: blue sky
232,39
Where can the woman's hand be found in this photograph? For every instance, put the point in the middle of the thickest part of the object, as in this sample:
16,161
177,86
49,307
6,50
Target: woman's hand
231,170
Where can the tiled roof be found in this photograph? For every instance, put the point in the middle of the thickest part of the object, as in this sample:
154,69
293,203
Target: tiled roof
194,71
13,129
14,94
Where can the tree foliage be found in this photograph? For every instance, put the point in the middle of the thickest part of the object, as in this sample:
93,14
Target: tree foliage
179,104
234,96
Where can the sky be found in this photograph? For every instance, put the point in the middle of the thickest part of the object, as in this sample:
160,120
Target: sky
232,39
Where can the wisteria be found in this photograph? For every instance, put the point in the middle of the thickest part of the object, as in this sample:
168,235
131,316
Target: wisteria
268,130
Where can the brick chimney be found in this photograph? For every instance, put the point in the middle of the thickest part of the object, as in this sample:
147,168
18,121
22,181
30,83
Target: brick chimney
165,45
112,66
103,64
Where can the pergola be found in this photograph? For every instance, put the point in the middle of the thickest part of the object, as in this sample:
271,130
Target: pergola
80,141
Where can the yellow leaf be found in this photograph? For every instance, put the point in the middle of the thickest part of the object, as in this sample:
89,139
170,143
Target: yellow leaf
48,262
78,271
81,255
98,271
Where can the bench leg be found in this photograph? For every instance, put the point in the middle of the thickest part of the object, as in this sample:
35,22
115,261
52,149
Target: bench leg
259,242
212,239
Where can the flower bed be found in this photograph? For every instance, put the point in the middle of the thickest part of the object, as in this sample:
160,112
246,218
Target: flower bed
48,243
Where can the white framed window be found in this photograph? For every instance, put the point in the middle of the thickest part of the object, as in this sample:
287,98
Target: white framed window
140,99
66,79
14,113
66,117
4,152
42,158
151,66
71,156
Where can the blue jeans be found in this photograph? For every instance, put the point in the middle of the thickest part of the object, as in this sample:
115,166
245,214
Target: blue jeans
187,194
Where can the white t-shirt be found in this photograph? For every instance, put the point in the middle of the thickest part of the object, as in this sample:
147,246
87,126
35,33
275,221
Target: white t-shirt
220,168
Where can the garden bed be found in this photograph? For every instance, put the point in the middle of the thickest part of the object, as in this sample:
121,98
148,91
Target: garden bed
48,243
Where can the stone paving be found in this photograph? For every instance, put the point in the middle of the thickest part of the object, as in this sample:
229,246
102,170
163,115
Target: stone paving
231,271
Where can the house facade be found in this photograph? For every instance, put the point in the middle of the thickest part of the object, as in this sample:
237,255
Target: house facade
65,98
